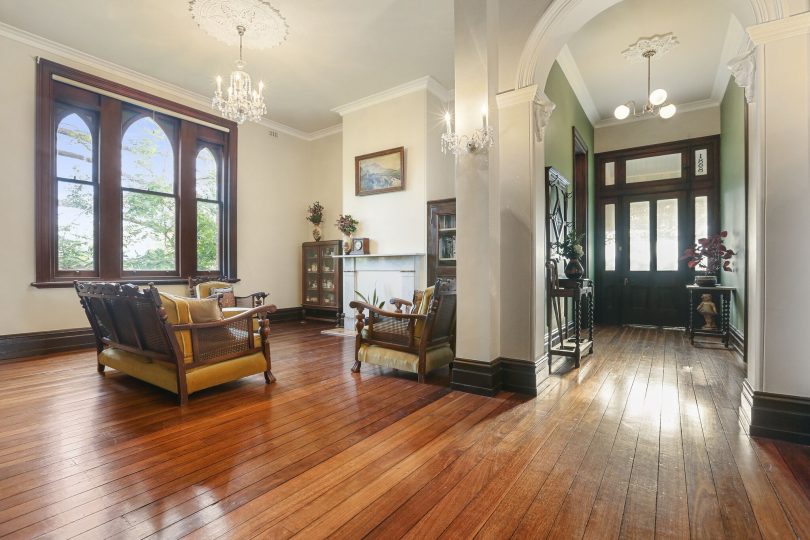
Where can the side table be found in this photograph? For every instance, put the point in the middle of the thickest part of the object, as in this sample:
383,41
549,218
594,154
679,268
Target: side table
723,330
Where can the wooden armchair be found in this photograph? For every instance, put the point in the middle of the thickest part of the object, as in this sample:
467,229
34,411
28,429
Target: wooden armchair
203,286
418,342
152,337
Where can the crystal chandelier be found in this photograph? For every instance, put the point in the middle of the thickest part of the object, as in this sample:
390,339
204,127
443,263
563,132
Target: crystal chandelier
646,48
481,139
240,102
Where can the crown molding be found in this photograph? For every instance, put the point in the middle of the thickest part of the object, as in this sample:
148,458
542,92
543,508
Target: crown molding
734,44
682,108
325,132
198,100
427,83
519,96
571,71
796,25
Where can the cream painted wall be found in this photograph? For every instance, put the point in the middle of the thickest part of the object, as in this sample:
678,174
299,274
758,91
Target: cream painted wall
684,125
394,222
326,183
278,178
440,181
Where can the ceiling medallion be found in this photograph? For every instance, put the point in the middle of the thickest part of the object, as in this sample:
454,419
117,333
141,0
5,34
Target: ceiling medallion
265,26
658,44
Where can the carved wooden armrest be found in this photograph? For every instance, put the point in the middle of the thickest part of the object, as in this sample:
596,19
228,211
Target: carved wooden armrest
252,300
399,302
385,327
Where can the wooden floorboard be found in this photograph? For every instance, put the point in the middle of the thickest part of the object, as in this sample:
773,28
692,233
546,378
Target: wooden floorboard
643,441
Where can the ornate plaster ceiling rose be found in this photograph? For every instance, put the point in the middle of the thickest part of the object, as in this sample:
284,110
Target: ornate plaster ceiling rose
660,45
264,26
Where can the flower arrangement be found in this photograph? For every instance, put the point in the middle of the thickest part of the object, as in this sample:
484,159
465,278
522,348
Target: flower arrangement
710,253
346,224
315,213
571,246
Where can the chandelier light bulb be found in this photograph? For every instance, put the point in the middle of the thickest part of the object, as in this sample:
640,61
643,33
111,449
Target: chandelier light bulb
621,112
668,111
658,96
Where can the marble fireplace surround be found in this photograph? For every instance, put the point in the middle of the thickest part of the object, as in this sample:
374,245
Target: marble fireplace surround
393,275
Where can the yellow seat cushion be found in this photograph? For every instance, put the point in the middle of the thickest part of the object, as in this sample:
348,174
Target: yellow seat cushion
381,356
164,375
178,312
423,309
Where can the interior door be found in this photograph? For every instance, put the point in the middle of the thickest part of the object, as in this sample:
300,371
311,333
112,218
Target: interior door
654,231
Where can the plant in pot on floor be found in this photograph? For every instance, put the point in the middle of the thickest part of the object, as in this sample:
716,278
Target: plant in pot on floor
708,257
347,225
571,248
315,216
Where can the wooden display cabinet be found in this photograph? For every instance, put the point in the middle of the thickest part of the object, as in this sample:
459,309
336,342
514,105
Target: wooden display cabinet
441,240
321,281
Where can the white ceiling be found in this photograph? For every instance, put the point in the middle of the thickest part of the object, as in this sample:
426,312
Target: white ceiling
693,73
336,52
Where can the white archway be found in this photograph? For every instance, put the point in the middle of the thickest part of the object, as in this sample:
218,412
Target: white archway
563,18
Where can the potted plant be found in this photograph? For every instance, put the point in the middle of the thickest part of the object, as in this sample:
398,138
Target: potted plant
315,216
711,255
571,248
347,225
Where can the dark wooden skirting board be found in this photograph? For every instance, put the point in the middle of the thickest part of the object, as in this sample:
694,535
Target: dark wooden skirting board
776,416
738,342
508,374
72,339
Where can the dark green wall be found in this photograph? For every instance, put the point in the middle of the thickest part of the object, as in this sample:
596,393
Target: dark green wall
559,143
732,191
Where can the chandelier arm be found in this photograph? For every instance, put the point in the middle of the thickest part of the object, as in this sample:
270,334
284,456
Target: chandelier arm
649,67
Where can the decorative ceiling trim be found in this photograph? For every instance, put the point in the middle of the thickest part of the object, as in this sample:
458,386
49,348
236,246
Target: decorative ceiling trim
74,55
571,71
263,25
325,132
743,68
527,94
660,44
682,108
797,25
424,83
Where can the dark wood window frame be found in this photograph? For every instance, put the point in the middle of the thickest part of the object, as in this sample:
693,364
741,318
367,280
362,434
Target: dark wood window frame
55,95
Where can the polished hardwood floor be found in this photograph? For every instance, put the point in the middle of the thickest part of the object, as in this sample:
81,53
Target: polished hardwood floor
642,441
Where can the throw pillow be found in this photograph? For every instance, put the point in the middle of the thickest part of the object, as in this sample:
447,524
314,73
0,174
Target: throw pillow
228,298
204,310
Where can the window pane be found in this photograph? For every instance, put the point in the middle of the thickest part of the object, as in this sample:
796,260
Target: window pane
610,237
701,217
74,149
610,173
652,168
207,236
149,232
75,230
666,229
640,236
206,170
147,157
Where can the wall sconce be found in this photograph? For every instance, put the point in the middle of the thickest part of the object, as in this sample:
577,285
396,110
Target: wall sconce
481,139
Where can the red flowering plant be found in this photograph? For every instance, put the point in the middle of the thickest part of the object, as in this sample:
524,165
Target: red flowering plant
710,254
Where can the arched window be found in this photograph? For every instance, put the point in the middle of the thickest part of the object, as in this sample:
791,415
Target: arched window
149,222
76,190
209,210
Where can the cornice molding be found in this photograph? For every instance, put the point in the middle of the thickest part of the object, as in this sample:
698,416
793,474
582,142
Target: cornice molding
796,25
682,108
427,83
325,132
520,96
571,71
192,98
736,42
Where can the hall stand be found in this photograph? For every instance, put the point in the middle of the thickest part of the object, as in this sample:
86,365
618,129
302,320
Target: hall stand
581,291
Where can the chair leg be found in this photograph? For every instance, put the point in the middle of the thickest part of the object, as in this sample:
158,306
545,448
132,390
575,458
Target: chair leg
100,367
420,378
269,377
356,367
182,397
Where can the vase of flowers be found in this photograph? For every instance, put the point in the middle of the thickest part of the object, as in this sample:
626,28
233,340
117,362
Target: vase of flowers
347,225
709,256
315,216
571,248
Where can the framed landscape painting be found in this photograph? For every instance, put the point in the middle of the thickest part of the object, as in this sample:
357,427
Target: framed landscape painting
380,172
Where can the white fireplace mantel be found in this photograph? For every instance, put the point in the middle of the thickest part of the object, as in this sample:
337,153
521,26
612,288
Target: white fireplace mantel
392,275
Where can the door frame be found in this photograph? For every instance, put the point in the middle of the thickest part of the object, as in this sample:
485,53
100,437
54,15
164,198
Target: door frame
581,193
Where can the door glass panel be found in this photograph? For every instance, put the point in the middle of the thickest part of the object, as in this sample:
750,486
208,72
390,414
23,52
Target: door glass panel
649,169
610,237
666,228
610,173
701,217
640,236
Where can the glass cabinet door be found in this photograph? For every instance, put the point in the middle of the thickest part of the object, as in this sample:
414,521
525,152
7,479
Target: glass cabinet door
328,277
447,240
328,262
311,285
311,260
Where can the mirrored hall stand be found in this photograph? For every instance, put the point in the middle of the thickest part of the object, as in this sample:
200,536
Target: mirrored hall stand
571,342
